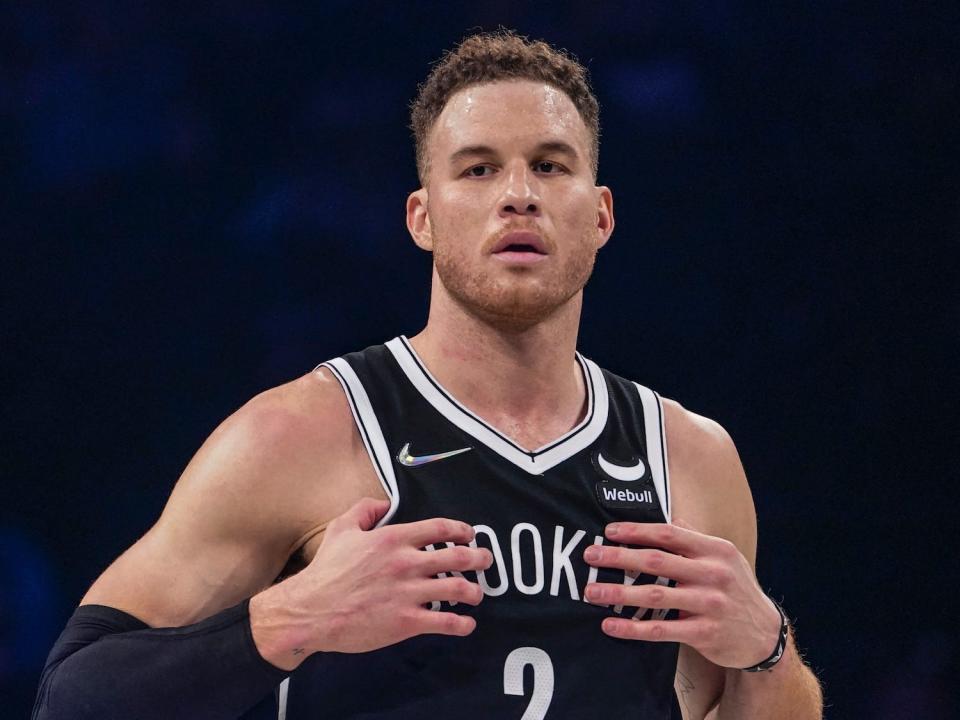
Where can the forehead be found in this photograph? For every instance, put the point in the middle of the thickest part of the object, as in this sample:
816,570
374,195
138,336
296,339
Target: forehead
508,111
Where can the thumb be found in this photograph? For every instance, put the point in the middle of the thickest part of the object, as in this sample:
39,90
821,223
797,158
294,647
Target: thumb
364,514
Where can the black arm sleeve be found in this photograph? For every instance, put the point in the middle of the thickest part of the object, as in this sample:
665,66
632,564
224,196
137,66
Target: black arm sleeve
108,664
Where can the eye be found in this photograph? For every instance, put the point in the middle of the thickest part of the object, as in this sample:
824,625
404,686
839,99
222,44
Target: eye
548,167
479,171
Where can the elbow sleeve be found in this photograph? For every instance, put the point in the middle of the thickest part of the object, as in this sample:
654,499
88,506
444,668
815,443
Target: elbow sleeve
108,664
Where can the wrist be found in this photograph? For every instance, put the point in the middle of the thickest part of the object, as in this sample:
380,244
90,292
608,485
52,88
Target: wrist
278,637
782,639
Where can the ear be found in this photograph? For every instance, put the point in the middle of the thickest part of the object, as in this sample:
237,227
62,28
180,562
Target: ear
605,220
418,220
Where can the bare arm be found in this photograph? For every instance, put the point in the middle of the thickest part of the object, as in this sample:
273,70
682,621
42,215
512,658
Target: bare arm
273,476
789,689
133,648
726,622
229,525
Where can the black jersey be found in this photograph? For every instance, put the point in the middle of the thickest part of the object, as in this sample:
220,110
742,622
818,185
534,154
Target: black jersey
538,650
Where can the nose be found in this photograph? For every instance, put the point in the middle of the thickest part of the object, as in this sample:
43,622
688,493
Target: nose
520,193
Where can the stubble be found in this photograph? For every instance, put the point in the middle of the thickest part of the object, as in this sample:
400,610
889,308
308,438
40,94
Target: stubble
512,298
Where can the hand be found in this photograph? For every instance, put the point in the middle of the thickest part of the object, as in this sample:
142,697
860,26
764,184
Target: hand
724,615
367,588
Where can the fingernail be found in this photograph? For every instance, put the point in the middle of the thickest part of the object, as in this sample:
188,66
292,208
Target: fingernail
594,592
611,625
612,530
592,554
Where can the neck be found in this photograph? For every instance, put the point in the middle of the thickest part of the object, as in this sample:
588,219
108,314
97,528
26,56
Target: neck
523,381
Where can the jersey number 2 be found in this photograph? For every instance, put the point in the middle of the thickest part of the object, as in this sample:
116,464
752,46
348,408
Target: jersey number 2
542,680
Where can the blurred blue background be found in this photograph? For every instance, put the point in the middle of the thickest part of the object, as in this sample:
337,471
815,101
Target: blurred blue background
203,200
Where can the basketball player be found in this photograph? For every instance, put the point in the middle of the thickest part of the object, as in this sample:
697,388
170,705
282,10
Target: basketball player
485,523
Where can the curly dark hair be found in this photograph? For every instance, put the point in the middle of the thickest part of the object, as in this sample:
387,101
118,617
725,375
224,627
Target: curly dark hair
501,55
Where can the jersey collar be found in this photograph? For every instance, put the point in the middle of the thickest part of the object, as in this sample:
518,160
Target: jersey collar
535,462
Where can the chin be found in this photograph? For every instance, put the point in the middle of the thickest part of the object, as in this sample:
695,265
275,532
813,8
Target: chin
511,300
514,308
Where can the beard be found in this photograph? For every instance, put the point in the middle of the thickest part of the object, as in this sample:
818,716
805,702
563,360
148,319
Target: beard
517,297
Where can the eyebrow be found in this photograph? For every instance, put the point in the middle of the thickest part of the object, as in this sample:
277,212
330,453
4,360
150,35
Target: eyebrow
549,146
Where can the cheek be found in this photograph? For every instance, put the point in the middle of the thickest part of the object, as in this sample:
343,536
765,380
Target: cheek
453,209
461,218
580,214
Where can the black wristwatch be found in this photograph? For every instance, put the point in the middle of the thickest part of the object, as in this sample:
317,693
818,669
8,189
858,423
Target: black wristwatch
781,644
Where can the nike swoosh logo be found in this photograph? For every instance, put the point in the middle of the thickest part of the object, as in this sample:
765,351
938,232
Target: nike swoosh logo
619,472
405,458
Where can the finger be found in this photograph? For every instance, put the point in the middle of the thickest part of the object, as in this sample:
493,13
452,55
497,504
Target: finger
453,589
648,596
684,631
363,514
441,623
651,562
680,522
434,530
662,535
458,558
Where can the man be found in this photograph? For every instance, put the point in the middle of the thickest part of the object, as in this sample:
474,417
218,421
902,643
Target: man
539,485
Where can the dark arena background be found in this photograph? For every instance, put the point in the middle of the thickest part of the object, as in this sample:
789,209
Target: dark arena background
203,200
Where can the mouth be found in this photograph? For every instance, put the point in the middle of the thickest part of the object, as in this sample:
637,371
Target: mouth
521,246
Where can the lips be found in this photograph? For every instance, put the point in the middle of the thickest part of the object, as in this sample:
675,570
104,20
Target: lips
520,241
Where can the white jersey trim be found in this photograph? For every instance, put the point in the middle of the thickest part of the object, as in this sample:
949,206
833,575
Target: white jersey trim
370,432
282,692
656,445
535,462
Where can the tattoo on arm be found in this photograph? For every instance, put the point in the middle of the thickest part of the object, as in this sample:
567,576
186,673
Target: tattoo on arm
686,687
298,651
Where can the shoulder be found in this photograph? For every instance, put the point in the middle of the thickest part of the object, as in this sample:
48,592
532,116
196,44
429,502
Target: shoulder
696,439
303,415
282,448
709,484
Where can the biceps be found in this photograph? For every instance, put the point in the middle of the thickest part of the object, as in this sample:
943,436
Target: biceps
698,684
169,579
